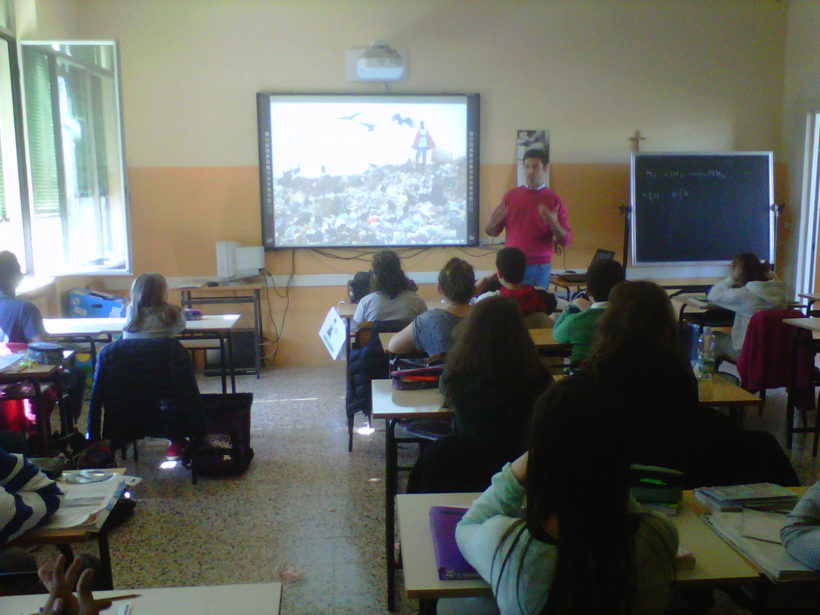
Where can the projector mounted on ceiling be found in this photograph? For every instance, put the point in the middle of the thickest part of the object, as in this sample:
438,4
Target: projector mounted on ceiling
378,62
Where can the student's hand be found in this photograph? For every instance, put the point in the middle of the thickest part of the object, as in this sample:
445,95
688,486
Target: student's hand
61,599
519,468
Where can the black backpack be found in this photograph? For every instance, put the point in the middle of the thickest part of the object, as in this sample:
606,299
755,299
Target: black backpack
226,448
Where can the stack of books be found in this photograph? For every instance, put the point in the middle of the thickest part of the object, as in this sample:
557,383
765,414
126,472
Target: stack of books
734,498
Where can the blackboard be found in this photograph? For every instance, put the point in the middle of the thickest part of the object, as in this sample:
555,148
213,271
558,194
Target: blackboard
696,208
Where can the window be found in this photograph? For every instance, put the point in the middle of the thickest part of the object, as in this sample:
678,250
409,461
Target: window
78,213
12,170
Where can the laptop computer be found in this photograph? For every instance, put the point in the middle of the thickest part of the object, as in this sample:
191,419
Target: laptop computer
581,278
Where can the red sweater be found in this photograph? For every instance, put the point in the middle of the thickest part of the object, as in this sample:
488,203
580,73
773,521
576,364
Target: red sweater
525,229
526,298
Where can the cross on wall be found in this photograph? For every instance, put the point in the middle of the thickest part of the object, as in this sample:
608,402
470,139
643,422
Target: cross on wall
636,141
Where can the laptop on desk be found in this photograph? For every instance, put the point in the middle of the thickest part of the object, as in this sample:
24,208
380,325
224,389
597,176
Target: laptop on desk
581,278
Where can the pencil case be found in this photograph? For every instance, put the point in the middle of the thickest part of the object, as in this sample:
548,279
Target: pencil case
418,378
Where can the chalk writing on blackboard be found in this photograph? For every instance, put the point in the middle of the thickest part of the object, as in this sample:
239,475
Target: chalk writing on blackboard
724,197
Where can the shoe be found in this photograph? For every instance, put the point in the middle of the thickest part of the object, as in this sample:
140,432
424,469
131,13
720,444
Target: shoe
176,449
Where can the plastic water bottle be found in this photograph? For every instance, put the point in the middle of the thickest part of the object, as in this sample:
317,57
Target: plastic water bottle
706,355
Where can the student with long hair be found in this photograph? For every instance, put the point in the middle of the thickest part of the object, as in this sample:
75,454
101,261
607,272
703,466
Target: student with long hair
581,545
391,298
748,288
492,376
149,315
431,332
638,356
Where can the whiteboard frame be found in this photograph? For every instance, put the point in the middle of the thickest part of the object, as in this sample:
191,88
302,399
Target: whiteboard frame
633,218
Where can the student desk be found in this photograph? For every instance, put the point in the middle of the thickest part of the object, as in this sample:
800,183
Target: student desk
542,338
717,563
561,283
392,406
239,293
702,313
63,538
812,325
247,599
39,375
210,327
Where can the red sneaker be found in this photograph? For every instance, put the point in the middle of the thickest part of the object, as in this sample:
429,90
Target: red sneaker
176,449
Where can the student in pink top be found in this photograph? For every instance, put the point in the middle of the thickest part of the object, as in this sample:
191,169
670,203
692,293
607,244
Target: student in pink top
535,219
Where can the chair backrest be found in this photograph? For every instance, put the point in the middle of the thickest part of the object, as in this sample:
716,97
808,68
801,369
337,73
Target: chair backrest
765,360
144,387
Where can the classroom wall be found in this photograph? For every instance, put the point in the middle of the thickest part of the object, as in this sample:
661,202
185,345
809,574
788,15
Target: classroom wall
801,94
690,74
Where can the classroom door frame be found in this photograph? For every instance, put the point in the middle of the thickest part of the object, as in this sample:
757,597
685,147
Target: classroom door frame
807,266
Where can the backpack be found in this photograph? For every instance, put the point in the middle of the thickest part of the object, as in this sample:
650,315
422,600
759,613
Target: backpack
226,448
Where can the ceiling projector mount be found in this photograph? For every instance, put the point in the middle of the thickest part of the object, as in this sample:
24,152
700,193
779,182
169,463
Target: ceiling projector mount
378,62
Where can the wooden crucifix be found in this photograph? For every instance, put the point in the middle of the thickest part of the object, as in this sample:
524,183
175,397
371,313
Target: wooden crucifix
636,141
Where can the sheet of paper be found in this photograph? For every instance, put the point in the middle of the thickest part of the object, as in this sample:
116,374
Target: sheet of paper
762,525
84,502
8,360
333,333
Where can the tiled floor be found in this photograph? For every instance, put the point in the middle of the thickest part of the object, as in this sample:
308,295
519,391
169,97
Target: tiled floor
306,508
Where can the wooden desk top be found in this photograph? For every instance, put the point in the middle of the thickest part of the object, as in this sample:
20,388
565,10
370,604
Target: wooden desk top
68,327
542,338
812,324
247,599
716,560
389,403
220,288
721,392
347,310
809,296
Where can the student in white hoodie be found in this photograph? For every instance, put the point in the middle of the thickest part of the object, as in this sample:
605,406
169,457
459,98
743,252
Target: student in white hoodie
749,288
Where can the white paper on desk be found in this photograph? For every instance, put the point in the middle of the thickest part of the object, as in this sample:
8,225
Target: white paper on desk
104,492
762,525
7,360
333,333
770,557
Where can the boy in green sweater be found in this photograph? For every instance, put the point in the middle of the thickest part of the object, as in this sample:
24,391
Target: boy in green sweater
577,325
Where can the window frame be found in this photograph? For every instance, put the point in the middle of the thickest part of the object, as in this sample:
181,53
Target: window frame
47,48
20,139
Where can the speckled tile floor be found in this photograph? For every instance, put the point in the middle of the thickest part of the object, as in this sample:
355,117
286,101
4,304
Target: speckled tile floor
305,504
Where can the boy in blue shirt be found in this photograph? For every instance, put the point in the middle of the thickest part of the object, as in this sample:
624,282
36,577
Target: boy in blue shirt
21,322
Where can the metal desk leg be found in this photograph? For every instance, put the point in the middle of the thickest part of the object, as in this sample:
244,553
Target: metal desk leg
68,424
106,575
232,365
391,479
223,364
257,331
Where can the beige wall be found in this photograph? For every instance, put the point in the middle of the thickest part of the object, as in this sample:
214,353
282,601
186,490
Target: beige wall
690,74
801,94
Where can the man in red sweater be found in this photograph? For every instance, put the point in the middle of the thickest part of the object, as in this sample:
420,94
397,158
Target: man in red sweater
535,219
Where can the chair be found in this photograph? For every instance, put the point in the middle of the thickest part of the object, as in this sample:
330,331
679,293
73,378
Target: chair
777,355
145,387
367,361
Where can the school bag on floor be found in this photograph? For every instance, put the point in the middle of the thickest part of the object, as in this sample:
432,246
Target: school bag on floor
226,448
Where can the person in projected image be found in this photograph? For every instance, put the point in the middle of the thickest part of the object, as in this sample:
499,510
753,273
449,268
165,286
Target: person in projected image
422,143
535,219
